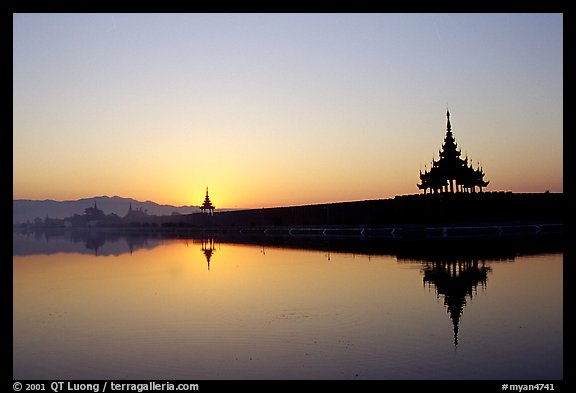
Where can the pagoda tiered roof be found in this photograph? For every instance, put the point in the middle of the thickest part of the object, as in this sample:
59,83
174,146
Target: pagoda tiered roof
451,168
207,205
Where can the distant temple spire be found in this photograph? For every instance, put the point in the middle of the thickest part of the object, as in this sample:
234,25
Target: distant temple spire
94,212
451,173
207,205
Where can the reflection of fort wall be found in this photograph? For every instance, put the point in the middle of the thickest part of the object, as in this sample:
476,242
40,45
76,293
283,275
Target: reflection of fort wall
114,241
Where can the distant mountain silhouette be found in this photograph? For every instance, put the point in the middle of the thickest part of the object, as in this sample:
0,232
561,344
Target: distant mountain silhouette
24,209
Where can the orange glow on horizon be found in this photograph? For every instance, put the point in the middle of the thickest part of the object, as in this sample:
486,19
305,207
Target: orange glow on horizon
229,197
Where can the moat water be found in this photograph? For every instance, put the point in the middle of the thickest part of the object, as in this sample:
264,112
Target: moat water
148,308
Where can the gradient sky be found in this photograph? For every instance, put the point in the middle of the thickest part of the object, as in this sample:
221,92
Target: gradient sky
281,109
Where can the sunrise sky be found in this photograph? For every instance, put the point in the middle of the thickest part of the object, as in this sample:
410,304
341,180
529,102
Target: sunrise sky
281,109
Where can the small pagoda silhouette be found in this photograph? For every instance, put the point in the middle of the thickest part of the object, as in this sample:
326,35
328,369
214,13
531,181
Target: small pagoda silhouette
450,169
207,206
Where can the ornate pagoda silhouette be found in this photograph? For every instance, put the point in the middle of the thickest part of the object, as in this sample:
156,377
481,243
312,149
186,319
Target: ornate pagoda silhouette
451,173
207,206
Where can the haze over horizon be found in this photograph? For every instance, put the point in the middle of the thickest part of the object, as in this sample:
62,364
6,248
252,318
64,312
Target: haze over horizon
96,197
280,109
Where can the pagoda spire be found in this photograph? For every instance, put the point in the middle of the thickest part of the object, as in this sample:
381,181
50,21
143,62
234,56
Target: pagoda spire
448,125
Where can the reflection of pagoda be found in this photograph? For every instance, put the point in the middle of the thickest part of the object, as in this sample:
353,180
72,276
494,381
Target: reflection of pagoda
455,279
207,205
136,242
451,168
94,243
208,248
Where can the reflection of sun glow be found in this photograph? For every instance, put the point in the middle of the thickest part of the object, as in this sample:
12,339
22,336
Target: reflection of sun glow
146,312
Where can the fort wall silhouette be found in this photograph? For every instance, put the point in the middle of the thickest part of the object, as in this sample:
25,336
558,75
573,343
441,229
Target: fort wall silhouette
446,208
473,220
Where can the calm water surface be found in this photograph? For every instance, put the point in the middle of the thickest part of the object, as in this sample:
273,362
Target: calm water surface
189,309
